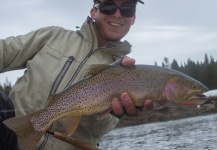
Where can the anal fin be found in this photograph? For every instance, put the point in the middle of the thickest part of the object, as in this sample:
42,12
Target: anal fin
70,123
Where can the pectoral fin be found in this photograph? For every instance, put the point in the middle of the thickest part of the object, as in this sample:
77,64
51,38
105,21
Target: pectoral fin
159,104
70,123
103,114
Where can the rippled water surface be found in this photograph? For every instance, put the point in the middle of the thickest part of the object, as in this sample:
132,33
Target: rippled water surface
197,133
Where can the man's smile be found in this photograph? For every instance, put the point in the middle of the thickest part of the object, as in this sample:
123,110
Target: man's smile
115,24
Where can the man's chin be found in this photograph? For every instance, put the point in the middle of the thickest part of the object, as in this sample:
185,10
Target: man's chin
115,39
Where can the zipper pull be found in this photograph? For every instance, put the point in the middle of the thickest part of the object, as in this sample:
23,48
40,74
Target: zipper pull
71,58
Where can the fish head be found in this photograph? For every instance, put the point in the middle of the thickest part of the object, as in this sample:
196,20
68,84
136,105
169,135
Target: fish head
185,90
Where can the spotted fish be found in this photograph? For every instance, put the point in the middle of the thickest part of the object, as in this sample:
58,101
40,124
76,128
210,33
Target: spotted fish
93,94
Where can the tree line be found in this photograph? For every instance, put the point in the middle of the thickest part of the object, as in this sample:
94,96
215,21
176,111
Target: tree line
205,72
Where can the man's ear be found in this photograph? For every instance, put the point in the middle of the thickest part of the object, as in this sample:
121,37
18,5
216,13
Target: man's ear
133,20
93,13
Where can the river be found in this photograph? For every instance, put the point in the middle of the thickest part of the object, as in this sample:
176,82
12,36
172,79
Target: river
195,133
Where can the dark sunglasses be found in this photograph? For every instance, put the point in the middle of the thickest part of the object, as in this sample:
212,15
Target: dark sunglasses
110,9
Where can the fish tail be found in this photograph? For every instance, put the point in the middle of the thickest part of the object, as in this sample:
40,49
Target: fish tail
27,137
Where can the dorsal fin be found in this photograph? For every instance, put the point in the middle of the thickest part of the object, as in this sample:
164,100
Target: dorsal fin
97,68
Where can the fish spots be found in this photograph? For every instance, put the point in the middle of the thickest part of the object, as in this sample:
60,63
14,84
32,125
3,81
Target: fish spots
93,94
40,119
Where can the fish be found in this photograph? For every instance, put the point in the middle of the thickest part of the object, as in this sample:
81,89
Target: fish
93,95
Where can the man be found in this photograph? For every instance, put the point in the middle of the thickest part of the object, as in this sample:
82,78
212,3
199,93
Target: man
55,58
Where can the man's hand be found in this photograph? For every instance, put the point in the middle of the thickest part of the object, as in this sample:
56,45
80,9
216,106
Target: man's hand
125,103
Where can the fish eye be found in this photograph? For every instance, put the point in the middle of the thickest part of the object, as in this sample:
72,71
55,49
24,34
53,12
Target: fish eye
194,86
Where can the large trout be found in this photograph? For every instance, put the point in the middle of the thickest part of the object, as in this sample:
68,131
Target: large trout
93,95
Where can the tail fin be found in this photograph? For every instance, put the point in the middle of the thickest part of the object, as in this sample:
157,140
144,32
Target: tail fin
27,136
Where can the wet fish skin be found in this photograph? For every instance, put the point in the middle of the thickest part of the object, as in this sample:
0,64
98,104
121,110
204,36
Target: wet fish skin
93,95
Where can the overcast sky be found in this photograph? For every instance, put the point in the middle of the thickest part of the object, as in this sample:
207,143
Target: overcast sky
176,29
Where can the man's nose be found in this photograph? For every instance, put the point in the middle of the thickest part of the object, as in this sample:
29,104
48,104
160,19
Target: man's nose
118,13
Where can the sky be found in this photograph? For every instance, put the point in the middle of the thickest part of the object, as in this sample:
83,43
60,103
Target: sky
176,29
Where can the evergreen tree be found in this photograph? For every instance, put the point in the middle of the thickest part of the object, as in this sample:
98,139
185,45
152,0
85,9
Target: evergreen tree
155,63
174,65
191,69
6,88
166,63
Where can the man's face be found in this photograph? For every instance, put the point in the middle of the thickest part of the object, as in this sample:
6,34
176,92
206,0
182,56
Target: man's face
112,27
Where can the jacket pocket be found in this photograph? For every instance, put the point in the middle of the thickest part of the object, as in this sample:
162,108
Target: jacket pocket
61,75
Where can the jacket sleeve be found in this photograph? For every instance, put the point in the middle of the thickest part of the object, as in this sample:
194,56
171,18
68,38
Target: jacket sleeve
16,51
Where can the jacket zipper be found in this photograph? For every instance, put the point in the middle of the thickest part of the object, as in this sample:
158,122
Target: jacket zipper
61,75
79,68
83,61
54,89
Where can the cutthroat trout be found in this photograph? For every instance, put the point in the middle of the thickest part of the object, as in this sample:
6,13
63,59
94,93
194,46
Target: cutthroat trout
93,95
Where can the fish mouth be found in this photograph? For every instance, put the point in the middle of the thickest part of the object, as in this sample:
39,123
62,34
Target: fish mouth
193,99
196,97
201,99
194,94
209,100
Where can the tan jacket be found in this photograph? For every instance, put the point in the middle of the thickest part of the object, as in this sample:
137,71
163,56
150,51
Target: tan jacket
55,58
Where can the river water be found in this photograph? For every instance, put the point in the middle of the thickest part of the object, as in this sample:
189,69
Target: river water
196,133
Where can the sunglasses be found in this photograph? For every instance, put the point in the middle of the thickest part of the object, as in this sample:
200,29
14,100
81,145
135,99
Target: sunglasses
110,9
